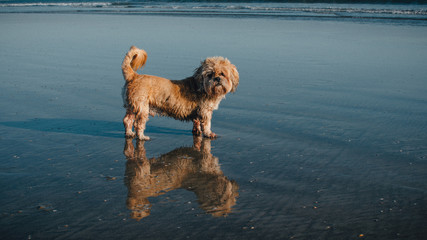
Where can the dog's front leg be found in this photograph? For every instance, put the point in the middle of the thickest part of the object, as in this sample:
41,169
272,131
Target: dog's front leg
197,130
206,125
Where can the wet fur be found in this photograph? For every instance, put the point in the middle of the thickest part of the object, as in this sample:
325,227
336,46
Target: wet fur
190,99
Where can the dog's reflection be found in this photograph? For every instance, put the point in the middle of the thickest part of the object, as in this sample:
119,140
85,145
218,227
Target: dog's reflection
191,168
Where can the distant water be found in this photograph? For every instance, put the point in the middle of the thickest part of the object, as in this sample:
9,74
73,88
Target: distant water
325,137
359,10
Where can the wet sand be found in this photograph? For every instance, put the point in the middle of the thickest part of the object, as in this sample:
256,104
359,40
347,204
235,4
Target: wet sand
325,137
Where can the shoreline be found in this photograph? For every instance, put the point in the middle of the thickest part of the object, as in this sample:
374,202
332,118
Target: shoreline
307,11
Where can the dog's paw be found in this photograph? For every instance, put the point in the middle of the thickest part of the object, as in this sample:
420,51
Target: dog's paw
143,138
130,135
210,135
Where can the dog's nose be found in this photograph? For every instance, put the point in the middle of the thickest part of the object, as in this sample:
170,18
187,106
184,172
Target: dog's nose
217,79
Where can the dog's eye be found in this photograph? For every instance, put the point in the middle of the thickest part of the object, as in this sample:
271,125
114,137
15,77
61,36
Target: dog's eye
210,75
222,74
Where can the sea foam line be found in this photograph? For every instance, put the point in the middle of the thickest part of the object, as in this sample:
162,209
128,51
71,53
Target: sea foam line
226,8
53,4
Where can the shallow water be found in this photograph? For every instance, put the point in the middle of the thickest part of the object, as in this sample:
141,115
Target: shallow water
325,137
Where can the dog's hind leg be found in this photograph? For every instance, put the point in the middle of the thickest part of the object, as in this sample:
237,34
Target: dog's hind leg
141,120
128,121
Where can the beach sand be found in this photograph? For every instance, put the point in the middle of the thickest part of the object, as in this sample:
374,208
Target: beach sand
325,137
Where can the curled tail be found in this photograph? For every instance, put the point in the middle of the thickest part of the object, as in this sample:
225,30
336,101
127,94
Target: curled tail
134,60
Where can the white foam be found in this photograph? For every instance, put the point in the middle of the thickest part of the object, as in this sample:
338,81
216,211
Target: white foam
357,10
58,4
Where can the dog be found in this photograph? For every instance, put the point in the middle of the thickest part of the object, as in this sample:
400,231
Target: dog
191,168
191,99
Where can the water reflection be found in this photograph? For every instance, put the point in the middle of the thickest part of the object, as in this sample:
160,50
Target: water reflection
192,168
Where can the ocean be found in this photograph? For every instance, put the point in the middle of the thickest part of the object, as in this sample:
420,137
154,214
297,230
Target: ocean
336,10
325,137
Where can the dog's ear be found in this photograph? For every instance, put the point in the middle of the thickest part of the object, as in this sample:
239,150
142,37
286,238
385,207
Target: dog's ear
234,77
198,78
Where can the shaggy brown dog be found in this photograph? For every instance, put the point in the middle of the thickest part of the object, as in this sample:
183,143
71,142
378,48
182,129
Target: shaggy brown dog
191,168
191,99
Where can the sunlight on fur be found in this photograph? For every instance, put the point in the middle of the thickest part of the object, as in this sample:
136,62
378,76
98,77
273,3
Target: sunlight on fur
191,99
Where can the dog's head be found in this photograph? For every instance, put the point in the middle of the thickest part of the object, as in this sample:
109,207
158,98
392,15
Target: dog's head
216,76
